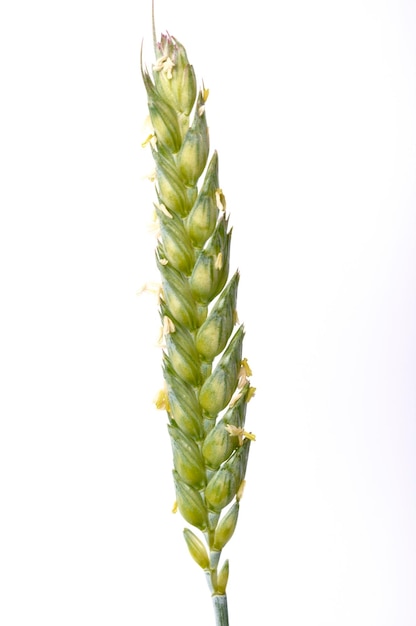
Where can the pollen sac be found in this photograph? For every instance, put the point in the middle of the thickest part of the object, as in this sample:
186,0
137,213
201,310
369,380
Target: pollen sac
226,527
214,333
196,548
190,503
177,246
187,458
177,296
217,390
210,272
171,190
203,216
183,404
183,355
175,79
193,155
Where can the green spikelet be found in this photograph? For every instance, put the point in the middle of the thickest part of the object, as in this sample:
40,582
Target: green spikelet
206,377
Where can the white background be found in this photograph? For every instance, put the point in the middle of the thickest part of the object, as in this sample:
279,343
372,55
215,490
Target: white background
312,109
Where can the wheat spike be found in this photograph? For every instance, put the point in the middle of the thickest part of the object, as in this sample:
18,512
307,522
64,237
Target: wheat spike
207,383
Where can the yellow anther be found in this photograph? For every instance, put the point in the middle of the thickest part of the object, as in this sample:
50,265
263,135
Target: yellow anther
220,200
175,507
168,325
161,400
205,94
240,491
235,431
250,394
148,132
245,372
148,140
218,261
244,363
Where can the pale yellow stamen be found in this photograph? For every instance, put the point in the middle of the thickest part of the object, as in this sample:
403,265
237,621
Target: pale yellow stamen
218,261
235,431
245,372
151,287
148,130
175,507
165,65
240,491
154,227
148,140
161,400
250,394
201,110
235,398
168,325
244,363
150,176
165,211
220,200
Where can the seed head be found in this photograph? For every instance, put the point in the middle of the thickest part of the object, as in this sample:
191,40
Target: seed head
206,379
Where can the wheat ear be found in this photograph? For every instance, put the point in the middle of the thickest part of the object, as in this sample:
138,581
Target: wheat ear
206,377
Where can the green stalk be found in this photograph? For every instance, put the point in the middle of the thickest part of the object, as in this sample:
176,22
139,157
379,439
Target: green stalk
207,385
220,610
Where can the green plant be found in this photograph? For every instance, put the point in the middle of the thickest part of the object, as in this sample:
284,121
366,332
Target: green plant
206,378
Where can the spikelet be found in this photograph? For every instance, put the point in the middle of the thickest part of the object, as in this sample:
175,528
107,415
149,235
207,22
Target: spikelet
206,378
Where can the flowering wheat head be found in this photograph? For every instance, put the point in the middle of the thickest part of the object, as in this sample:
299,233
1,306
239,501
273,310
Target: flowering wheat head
206,378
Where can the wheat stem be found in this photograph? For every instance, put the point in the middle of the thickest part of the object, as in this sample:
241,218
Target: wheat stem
220,610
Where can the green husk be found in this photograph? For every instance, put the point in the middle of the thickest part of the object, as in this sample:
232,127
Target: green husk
206,378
